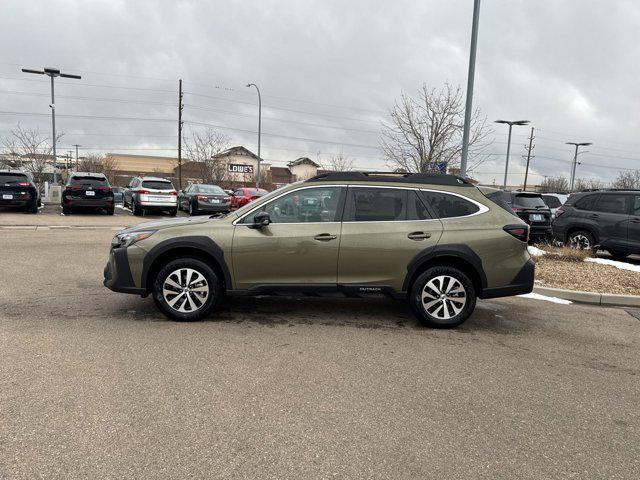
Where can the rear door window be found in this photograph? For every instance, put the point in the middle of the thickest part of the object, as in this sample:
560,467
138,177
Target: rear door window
78,181
416,209
613,203
378,205
587,202
445,205
157,185
636,206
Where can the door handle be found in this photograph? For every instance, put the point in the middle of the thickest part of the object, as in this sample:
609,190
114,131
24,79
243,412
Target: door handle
635,220
593,215
325,237
418,236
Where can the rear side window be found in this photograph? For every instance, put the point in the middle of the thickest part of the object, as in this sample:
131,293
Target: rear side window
636,206
586,203
445,205
157,185
378,204
551,201
529,201
11,178
500,199
78,181
613,203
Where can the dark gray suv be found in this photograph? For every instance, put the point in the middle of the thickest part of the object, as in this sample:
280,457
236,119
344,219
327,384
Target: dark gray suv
607,219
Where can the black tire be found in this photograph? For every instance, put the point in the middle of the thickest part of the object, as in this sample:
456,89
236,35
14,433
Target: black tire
431,317
581,239
193,210
173,212
212,283
33,208
111,211
66,210
136,209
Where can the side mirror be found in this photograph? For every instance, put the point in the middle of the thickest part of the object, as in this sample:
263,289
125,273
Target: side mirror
260,220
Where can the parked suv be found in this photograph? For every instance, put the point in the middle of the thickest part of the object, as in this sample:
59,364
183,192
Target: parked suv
531,208
608,219
151,193
87,190
434,240
17,189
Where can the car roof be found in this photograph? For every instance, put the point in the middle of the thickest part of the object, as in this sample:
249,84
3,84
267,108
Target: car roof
155,179
15,172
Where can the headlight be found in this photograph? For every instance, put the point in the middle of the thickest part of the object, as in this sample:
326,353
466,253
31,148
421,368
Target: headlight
126,239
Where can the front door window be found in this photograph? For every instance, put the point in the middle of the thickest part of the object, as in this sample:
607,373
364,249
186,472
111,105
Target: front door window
308,205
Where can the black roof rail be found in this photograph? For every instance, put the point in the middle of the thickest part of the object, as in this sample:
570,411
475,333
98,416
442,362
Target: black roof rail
610,190
426,178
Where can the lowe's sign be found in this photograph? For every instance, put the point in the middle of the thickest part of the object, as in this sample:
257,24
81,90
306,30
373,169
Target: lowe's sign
239,168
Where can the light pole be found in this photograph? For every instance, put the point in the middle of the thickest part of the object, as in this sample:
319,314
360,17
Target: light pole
52,73
575,160
470,79
511,124
77,164
259,129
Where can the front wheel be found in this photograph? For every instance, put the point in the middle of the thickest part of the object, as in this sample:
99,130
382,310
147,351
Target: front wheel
442,297
186,289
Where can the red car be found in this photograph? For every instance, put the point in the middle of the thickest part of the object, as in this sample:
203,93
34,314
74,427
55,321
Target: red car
244,195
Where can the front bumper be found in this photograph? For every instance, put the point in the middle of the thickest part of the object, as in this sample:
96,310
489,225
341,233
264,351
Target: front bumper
521,284
117,274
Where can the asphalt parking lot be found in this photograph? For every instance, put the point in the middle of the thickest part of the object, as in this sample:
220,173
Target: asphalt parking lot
97,384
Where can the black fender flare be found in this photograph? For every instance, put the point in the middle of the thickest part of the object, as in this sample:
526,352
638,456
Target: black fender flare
204,244
457,250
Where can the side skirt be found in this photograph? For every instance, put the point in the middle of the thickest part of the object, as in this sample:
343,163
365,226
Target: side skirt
321,290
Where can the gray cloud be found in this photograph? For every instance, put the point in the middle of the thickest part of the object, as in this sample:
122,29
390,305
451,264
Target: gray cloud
568,66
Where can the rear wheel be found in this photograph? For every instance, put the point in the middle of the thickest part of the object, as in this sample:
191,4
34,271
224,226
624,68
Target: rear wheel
442,297
186,289
66,210
173,212
136,209
193,210
581,239
33,208
111,211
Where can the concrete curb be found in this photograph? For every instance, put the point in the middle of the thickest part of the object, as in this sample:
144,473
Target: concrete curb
604,299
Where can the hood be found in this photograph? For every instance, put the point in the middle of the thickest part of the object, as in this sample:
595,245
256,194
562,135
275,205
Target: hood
168,223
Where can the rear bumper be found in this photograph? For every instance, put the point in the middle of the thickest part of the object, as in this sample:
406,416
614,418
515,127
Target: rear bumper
16,203
117,274
539,230
214,207
83,202
521,284
147,204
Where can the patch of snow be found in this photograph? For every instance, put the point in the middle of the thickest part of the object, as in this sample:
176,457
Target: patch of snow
614,263
535,251
537,296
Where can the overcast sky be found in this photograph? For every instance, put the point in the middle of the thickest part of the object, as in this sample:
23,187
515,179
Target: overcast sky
329,71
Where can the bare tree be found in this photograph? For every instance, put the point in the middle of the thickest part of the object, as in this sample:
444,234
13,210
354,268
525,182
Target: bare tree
588,184
555,185
99,164
629,179
33,149
340,163
425,133
202,147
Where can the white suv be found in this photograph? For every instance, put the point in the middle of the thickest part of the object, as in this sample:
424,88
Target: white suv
151,193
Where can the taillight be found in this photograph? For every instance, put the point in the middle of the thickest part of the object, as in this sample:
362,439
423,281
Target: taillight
521,232
516,209
559,212
201,197
108,189
173,193
24,184
74,187
227,199
143,192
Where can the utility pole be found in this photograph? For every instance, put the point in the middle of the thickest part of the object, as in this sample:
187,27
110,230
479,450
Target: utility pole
52,73
470,79
529,157
511,124
77,163
259,130
180,107
575,161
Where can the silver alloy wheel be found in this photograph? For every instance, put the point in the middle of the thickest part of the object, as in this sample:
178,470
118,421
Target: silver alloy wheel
444,297
185,290
581,242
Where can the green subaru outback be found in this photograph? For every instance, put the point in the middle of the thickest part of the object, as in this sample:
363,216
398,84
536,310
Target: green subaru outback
434,240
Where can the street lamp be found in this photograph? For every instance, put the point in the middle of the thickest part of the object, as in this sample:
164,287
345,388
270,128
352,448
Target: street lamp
52,73
575,160
470,78
259,129
511,124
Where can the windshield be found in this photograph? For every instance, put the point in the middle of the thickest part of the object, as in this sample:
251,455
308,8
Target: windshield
88,181
13,178
551,201
214,189
529,201
157,185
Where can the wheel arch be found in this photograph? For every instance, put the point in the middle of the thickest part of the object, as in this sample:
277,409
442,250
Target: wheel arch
455,255
202,248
